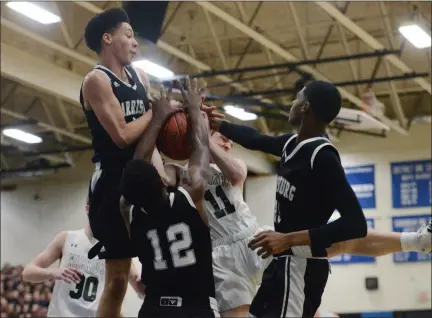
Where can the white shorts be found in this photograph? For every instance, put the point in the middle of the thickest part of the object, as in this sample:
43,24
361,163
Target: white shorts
237,270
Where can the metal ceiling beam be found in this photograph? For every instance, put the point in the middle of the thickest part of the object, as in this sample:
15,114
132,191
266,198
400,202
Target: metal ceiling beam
394,97
370,40
339,84
215,39
330,59
292,58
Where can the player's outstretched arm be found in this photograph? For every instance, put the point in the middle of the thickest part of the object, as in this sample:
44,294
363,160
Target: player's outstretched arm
199,162
38,270
250,138
97,92
234,169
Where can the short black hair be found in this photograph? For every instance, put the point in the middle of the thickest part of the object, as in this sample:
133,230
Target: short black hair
140,183
101,23
324,99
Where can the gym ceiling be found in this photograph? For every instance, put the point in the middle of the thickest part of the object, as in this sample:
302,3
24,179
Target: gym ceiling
252,55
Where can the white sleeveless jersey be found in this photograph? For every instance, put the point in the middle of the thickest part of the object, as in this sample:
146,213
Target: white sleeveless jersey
227,212
82,299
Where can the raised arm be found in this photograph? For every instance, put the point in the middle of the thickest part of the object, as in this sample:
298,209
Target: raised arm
98,96
234,169
199,162
38,270
250,138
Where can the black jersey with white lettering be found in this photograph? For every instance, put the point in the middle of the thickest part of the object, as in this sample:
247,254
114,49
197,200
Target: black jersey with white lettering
174,248
301,203
133,100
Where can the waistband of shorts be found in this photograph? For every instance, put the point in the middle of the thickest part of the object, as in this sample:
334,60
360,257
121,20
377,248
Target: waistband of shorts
180,301
228,240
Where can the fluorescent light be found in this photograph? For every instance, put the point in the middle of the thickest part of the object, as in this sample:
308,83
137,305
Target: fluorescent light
153,69
416,35
239,113
34,12
22,136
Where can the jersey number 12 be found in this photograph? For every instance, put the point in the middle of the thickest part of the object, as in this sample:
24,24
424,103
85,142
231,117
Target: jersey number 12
176,247
86,288
219,211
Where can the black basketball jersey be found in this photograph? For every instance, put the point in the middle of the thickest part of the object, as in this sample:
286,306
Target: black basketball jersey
301,204
174,248
133,100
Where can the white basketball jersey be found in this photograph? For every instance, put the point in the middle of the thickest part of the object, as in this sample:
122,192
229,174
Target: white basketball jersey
82,299
227,212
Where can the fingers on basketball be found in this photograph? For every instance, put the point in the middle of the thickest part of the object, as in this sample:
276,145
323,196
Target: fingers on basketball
173,140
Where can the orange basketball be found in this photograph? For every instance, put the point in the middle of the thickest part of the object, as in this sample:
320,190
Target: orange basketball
173,140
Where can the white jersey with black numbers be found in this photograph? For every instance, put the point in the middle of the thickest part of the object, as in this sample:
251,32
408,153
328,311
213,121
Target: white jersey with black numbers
82,299
227,212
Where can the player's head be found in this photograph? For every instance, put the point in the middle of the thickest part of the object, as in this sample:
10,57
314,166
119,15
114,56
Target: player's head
318,99
221,141
109,32
142,186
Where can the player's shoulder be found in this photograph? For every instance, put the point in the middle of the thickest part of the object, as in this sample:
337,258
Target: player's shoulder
96,77
325,154
183,197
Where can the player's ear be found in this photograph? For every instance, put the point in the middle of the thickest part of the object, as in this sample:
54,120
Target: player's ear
107,38
306,107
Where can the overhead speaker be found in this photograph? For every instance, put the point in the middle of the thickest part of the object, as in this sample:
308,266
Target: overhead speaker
146,18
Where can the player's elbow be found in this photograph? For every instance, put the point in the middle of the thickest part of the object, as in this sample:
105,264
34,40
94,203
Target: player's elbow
121,139
238,177
359,228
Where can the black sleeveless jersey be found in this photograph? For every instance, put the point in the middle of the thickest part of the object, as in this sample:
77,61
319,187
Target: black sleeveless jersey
301,204
174,248
133,100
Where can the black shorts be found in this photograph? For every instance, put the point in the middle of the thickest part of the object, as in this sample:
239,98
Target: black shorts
291,287
181,307
106,221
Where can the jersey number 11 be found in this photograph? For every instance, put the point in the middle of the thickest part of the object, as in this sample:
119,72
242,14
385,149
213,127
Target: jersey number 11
225,208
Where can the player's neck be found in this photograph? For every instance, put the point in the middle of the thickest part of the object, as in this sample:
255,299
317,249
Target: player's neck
113,65
308,131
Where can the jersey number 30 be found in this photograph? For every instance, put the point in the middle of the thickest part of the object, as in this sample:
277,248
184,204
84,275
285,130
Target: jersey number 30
178,246
86,288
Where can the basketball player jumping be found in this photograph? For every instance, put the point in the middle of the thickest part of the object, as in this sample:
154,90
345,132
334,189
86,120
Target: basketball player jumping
305,297
170,230
79,281
114,97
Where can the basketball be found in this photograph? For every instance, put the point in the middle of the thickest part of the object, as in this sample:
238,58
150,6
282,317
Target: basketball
173,140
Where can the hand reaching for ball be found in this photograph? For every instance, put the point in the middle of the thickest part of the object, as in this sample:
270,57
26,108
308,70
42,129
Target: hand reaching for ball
164,107
192,96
